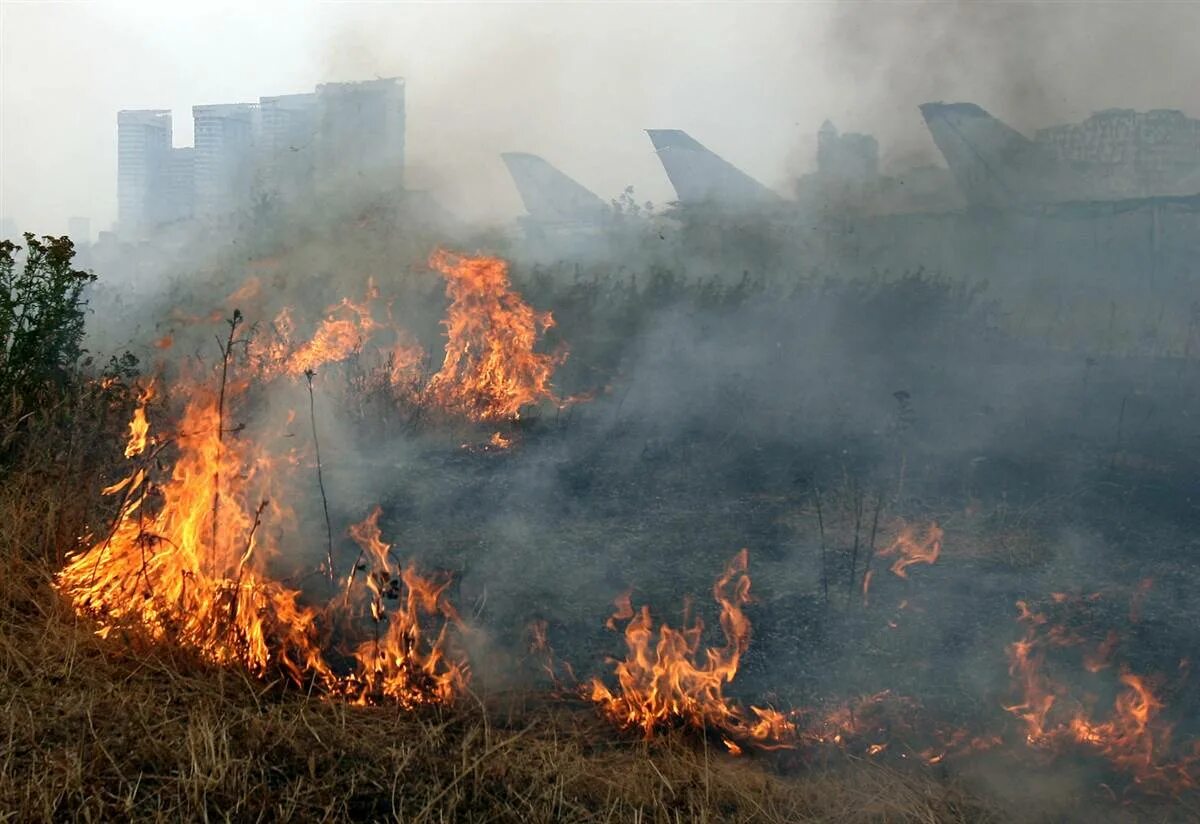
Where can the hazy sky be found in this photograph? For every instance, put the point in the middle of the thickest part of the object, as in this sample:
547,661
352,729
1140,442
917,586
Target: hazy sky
575,83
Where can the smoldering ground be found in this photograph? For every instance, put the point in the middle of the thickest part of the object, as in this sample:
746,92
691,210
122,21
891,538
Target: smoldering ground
798,415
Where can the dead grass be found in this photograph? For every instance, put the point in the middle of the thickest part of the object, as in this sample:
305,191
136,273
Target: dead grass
95,729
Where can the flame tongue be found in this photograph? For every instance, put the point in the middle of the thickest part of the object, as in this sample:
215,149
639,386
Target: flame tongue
666,682
1134,738
191,570
490,370
399,663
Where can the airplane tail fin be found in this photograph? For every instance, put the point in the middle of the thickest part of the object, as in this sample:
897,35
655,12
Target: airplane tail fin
993,164
547,193
698,175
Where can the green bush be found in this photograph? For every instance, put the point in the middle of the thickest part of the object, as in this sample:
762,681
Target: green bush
41,315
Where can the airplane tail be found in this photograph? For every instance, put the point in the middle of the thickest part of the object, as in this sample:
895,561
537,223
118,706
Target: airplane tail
994,164
699,176
548,194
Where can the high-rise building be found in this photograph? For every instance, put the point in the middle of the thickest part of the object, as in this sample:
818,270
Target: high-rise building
281,146
360,129
181,183
849,157
143,146
224,157
287,142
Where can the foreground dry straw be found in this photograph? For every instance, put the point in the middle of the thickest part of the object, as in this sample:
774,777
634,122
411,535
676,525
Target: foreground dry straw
92,731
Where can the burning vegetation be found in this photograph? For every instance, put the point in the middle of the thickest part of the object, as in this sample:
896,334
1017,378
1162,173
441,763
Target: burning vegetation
232,539
664,682
189,560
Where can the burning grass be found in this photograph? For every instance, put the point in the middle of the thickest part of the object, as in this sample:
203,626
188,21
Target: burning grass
212,609
188,559
96,729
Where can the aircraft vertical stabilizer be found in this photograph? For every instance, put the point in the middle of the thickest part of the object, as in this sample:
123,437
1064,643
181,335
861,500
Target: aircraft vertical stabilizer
548,194
994,164
700,176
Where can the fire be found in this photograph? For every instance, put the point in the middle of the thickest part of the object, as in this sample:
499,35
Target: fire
909,550
1134,738
139,426
400,664
186,560
490,370
346,327
664,682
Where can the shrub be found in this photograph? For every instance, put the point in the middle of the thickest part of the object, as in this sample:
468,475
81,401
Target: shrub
41,315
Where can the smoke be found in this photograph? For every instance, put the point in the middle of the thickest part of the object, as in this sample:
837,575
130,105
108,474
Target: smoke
1030,64
753,379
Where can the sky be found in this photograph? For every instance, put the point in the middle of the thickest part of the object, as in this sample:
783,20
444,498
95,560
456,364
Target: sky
574,82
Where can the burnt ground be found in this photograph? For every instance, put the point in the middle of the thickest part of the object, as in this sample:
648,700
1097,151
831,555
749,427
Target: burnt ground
1050,471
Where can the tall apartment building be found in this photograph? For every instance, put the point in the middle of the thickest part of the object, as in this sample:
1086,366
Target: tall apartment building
287,142
343,133
224,157
360,128
143,148
181,184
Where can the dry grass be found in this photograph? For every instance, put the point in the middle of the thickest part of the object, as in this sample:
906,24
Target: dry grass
94,729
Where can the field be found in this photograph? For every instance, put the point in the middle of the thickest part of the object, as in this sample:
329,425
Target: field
966,593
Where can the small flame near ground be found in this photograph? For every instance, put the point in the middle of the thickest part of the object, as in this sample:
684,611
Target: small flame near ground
1131,734
665,680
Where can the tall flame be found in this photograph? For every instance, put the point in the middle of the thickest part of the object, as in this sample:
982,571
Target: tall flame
185,560
490,370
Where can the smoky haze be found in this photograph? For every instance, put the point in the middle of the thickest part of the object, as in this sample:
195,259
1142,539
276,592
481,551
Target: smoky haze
576,84
746,383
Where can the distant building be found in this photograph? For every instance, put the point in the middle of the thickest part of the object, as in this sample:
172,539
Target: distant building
8,229
287,141
1137,153
79,229
850,157
848,180
1114,155
280,146
224,157
181,184
360,128
143,146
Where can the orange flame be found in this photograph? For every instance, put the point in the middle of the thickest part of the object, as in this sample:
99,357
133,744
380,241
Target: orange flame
401,665
187,564
1134,738
192,571
139,426
662,683
490,370
909,550
346,327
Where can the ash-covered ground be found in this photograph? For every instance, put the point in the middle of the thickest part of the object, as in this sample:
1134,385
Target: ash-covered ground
807,417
